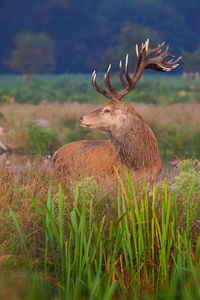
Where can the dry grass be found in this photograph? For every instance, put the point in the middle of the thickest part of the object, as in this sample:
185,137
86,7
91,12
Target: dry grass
50,111
63,116
56,113
18,116
15,189
16,186
184,115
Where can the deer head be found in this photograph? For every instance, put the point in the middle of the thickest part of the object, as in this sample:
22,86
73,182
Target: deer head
115,115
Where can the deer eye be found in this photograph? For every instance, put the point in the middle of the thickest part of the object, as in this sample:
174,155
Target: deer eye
107,110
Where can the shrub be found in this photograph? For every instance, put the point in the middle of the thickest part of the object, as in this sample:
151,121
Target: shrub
187,178
88,186
39,139
176,141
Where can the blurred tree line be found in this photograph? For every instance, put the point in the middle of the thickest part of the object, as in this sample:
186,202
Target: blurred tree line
191,61
34,53
76,36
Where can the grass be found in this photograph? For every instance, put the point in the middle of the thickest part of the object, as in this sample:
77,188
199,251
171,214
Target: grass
146,250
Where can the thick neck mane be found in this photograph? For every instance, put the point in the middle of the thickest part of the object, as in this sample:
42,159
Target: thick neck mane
136,144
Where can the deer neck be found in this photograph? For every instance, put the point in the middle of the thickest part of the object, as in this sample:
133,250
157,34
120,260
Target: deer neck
135,144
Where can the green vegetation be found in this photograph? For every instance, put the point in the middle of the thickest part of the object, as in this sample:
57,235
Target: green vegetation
87,187
39,139
52,88
165,89
146,251
188,176
178,141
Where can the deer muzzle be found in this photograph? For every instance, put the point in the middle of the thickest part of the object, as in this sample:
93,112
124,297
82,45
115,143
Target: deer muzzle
83,123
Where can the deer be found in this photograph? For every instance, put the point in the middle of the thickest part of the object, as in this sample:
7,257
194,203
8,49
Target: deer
132,144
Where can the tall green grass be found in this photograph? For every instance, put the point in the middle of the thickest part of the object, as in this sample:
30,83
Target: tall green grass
146,253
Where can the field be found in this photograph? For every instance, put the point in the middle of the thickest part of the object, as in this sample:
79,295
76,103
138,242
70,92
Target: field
97,238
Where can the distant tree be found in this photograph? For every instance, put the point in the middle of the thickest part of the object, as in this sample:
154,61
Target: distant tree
33,54
125,41
191,61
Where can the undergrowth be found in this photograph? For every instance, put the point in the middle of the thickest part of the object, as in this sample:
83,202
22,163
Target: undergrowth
165,89
149,250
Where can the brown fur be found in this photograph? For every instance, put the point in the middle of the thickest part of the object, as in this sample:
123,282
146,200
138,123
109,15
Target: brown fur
132,144
88,156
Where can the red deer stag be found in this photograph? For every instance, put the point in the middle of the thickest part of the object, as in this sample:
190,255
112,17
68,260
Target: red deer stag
132,142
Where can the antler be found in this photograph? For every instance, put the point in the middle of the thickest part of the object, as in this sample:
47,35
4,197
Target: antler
143,62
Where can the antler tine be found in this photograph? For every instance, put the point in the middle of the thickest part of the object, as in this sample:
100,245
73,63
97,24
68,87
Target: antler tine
107,81
165,52
158,52
147,45
97,88
136,50
170,55
139,58
158,49
179,58
124,83
126,71
171,61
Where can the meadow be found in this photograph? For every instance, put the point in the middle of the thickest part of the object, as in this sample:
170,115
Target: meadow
42,128
97,238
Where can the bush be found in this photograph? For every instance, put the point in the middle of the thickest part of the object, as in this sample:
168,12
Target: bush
88,186
187,178
176,141
39,139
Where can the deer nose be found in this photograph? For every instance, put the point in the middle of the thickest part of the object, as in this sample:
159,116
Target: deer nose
81,118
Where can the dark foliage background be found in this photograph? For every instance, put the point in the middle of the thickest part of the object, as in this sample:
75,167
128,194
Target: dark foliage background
82,30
